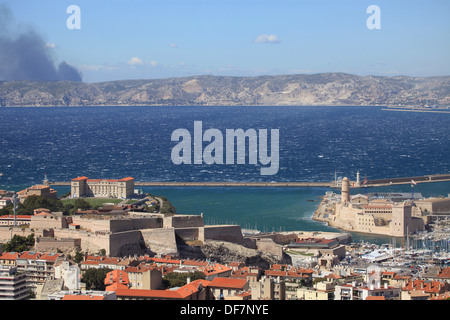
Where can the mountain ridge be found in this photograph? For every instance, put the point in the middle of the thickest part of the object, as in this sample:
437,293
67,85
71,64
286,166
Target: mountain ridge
294,90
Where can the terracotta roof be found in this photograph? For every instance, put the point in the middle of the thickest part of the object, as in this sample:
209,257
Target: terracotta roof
445,273
375,298
29,255
229,283
80,178
50,256
9,255
178,294
24,217
426,286
116,276
127,179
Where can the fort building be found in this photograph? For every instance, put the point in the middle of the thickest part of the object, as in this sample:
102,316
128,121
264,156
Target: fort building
108,188
37,190
378,216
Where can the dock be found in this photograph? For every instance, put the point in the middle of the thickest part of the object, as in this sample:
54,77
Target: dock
331,184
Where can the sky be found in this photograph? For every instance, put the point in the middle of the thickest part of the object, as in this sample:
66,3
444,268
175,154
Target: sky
149,39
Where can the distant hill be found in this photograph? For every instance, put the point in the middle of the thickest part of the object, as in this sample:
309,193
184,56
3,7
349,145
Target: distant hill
314,89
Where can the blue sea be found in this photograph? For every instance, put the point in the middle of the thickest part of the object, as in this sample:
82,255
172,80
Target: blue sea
315,142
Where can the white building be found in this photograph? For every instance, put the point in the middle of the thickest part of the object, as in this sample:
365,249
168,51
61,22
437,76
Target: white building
13,284
70,274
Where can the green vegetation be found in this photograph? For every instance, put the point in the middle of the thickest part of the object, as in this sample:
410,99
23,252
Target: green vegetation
19,243
176,279
92,202
31,203
167,208
95,278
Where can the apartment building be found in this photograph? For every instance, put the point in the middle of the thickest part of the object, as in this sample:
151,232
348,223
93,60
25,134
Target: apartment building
13,284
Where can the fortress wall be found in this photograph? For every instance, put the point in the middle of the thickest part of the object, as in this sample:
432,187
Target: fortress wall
188,234
90,242
6,234
434,205
183,221
268,245
230,233
126,243
121,225
92,225
118,225
46,222
161,240
51,244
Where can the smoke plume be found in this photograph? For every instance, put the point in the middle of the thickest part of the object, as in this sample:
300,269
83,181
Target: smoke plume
24,56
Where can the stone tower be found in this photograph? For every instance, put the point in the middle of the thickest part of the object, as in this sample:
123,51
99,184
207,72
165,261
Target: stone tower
345,190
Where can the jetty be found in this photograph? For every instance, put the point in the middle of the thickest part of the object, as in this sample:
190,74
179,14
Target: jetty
331,184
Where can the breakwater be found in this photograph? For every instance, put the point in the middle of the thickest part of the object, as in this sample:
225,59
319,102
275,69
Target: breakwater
331,184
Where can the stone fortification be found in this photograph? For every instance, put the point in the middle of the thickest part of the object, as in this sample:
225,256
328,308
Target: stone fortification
122,235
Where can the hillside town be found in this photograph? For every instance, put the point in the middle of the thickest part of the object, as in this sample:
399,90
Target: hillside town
135,250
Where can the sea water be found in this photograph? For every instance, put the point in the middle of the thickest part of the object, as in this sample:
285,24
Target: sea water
316,143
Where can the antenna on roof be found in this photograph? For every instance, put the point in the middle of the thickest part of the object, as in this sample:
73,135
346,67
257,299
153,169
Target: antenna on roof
14,202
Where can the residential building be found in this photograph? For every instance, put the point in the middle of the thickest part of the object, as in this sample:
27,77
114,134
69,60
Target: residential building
268,288
360,291
70,273
13,284
424,289
322,290
195,290
82,295
145,278
11,220
222,288
38,266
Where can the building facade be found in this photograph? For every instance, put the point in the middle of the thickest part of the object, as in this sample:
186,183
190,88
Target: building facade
13,284
107,188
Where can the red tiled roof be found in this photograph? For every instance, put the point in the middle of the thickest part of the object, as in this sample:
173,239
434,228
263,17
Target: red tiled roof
29,255
229,283
50,256
24,217
426,286
116,276
9,255
127,179
80,178
445,273
178,294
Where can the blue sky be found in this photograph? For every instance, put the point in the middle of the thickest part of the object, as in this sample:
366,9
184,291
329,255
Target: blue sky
138,39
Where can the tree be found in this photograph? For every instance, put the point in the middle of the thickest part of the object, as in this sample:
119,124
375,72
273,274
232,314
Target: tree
19,243
78,256
176,279
95,278
82,204
35,202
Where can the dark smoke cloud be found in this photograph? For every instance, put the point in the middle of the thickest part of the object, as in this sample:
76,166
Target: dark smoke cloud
25,56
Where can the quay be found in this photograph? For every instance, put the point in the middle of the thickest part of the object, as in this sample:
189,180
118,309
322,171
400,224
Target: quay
331,184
